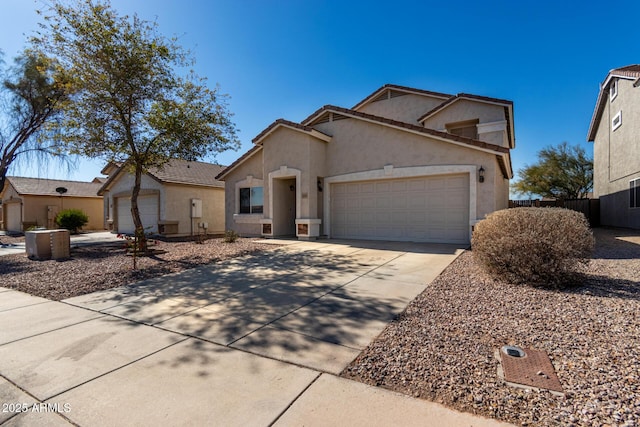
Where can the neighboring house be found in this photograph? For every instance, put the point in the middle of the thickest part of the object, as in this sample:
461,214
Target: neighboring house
403,164
615,131
28,202
177,199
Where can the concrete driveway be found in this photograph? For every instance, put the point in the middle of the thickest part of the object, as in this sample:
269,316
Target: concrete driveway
256,340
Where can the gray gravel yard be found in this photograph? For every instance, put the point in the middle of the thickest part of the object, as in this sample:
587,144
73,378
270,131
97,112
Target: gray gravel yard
442,347
94,268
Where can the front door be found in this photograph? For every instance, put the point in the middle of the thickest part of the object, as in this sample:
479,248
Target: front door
284,207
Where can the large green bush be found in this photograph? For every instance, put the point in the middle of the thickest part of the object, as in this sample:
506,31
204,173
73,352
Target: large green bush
72,219
539,246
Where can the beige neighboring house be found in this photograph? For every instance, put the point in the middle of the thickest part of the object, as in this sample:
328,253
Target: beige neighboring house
615,131
176,200
403,164
28,202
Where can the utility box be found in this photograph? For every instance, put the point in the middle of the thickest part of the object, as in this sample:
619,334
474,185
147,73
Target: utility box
60,244
38,244
48,244
196,208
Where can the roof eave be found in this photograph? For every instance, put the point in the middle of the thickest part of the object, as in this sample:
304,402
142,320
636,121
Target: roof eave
600,102
281,123
246,156
398,88
407,127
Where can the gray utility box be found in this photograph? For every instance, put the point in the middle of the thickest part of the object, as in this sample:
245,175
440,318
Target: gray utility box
48,244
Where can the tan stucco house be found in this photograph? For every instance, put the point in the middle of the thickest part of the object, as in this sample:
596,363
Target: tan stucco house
181,198
615,131
28,202
403,164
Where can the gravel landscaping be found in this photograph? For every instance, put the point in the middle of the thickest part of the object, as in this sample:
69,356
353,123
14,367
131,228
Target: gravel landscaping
441,348
98,267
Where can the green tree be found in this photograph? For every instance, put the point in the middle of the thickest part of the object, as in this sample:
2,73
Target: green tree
562,172
33,94
131,104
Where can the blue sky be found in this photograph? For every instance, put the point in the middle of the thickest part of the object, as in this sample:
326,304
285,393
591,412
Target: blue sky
288,58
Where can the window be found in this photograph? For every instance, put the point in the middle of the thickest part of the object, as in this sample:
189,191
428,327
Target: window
613,90
634,193
251,200
616,122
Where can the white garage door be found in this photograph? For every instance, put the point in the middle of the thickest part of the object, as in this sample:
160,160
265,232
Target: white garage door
424,209
13,221
148,207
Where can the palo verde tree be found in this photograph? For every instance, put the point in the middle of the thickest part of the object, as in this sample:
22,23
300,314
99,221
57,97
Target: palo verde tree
562,172
34,92
131,104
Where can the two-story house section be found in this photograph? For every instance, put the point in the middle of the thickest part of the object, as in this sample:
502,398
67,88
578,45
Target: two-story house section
402,164
615,131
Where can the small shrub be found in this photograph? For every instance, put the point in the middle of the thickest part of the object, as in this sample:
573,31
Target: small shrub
230,236
72,219
539,246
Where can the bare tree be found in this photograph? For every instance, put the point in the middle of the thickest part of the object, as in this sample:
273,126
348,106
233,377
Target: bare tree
33,93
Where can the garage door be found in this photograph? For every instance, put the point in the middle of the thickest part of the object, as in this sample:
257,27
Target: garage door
13,221
148,207
425,209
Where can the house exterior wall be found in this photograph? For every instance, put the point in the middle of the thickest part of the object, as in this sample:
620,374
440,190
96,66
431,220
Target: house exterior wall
464,109
177,207
617,157
249,225
359,146
406,108
35,208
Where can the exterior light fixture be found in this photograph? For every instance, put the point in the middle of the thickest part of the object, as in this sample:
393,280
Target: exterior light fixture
481,174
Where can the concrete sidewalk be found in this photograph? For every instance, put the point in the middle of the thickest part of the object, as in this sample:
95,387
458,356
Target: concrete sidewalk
257,340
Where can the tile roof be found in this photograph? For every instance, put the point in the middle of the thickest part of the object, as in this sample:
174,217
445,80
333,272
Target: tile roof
463,96
631,72
187,172
273,126
177,172
47,187
242,158
628,71
401,89
290,124
407,126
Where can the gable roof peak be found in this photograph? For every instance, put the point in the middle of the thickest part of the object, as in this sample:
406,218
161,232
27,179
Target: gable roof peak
630,68
398,88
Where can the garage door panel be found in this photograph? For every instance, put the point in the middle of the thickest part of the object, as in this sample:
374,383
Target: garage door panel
418,209
13,221
398,186
416,185
148,208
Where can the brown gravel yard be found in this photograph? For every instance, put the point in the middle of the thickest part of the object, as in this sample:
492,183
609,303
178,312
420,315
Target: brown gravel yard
442,347
93,268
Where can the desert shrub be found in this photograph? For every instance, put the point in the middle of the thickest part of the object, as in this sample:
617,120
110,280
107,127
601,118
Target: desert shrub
539,246
230,236
72,219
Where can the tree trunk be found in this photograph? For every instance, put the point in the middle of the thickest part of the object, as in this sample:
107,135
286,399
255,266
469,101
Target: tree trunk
140,237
